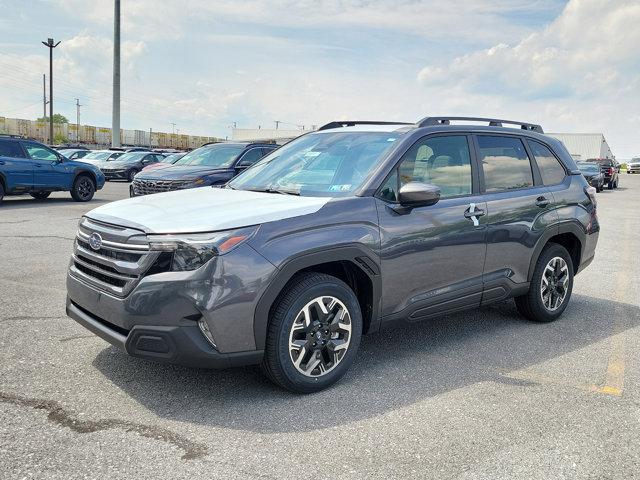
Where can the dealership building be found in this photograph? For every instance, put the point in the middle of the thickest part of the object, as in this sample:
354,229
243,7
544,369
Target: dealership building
584,146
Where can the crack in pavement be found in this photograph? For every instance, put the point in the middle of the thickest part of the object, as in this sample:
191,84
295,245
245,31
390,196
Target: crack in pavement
77,337
31,317
58,415
38,236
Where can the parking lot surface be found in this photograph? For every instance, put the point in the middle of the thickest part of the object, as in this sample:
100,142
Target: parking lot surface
481,394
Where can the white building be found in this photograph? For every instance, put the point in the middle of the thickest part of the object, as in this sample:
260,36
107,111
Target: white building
584,146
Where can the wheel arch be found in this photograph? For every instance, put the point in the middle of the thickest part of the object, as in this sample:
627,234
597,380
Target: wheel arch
353,265
86,173
570,235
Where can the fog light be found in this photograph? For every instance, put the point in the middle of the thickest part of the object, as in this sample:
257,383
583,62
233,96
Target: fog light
204,328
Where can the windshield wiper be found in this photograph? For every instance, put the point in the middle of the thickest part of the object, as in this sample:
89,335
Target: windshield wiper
275,190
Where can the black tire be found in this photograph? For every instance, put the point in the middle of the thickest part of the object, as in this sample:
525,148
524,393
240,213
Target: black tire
40,195
610,186
531,304
1,192
278,363
130,174
83,188
615,185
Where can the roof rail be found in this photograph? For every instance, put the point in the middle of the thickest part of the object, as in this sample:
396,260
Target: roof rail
493,122
11,135
351,123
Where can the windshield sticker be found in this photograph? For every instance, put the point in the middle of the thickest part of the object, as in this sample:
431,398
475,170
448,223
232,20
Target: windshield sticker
391,139
312,154
340,188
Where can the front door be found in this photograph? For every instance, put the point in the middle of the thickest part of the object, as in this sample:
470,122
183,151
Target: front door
432,257
49,171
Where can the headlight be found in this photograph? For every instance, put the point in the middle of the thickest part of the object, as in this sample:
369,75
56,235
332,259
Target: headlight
192,250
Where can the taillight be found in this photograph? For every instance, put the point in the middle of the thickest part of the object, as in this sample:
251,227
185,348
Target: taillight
610,171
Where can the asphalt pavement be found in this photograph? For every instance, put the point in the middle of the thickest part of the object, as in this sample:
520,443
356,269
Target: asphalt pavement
481,394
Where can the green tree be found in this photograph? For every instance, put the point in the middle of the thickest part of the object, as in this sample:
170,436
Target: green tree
59,138
57,118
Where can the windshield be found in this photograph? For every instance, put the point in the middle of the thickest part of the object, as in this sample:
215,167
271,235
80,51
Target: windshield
172,158
129,157
332,164
97,156
587,168
218,155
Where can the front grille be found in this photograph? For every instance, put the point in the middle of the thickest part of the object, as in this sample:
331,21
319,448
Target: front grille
121,261
146,187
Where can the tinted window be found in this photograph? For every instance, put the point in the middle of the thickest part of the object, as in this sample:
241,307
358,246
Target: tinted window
252,156
505,163
267,150
40,152
441,161
550,169
10,149
218,155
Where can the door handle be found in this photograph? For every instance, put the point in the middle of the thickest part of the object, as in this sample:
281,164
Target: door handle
473,213
542,202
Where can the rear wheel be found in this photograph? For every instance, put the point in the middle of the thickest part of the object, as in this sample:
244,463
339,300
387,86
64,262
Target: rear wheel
551,286
40,195
130,174
1,192
313,334
610,186
83,189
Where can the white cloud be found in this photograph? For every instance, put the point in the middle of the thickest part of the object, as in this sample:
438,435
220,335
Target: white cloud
579,73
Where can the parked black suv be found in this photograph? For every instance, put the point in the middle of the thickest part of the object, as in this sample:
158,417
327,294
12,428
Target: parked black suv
128,164
211,164
357,227
610,169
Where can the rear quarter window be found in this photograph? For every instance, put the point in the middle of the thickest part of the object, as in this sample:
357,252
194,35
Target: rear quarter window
551,171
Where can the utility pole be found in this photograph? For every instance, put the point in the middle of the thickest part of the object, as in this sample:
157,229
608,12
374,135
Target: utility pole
51,45
173,128
150,131
115,117
278,122
78,119
44,96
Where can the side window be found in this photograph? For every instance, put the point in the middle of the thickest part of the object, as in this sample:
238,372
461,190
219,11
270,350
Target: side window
389,189
550,169
40,152
443,161
505,163
10,149
267,150
252,156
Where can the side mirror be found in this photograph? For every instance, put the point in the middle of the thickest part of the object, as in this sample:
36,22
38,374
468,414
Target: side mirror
60,159
418,194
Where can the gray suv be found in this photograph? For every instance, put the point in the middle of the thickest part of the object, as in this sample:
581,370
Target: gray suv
354,228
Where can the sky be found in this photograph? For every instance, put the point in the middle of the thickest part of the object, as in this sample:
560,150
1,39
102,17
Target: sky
571,66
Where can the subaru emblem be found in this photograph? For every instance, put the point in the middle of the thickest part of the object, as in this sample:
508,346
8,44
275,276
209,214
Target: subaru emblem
95,241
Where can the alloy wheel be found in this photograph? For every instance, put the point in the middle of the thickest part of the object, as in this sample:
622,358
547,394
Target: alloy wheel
320,336
554,283
84,188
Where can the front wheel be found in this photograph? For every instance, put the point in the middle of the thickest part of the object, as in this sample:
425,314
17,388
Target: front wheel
313,334
83,189
130,175
551,286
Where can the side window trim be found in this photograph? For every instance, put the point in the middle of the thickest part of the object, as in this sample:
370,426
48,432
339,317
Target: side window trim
473,158
535,174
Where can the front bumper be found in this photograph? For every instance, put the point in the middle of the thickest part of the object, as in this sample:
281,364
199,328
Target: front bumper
633,169
158,318
114,174
183,345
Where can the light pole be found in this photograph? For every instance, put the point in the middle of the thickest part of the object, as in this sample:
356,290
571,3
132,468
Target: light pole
115,115
51,45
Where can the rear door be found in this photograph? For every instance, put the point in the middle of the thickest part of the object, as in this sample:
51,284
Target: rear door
15,166
519,209
432,257
49,171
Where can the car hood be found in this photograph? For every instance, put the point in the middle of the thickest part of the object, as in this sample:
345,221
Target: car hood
114,164
181,172
204,209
